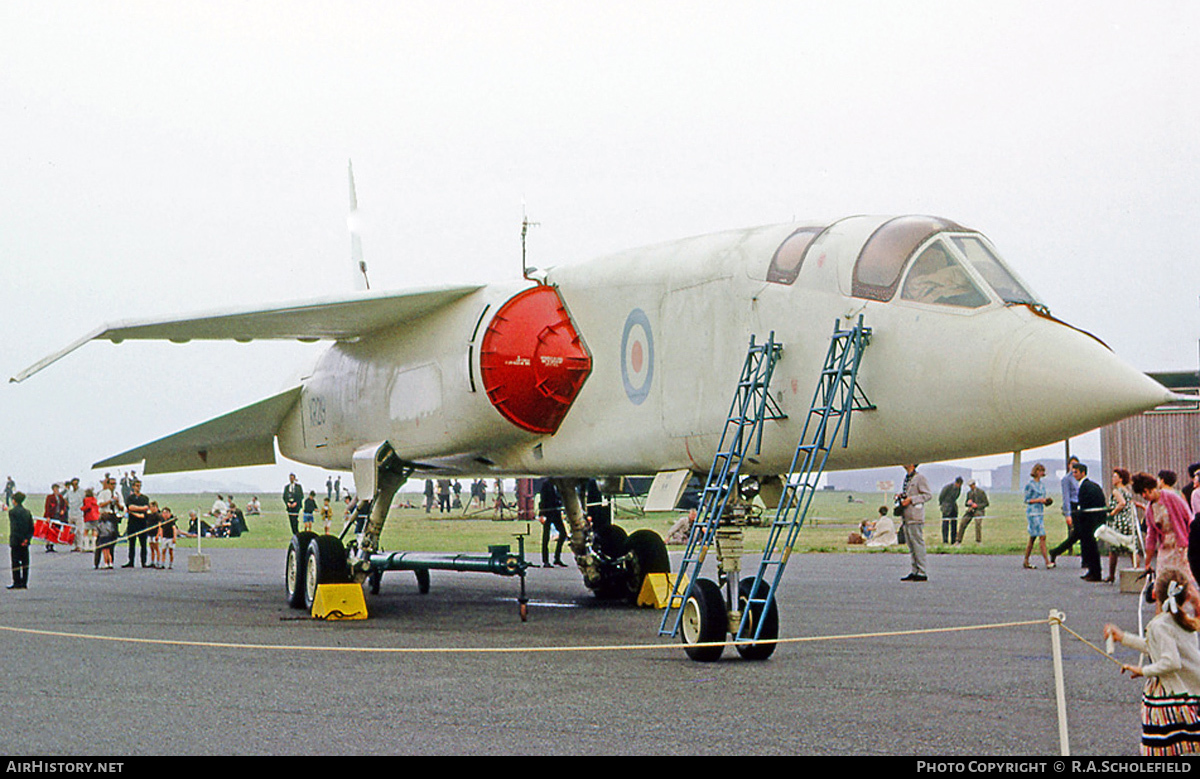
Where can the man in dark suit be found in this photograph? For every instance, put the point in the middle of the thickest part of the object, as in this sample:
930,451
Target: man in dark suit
550,510
20,532
293,496
1085,518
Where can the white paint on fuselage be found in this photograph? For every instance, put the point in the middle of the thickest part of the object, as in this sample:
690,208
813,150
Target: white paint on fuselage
411,386
947,382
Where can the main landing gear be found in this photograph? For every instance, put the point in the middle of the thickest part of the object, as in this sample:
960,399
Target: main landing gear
613,564
622,562
312,560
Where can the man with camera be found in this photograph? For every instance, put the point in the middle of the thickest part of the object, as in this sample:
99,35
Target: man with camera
910,504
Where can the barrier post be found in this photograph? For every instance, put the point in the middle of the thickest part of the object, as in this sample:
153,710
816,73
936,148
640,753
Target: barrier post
199,562
1057,618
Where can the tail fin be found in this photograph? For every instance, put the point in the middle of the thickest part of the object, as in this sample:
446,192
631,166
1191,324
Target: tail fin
361,282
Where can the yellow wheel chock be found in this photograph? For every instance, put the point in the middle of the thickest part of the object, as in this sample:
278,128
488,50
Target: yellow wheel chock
339,601
656,589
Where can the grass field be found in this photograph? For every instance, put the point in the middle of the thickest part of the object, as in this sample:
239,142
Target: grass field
830,521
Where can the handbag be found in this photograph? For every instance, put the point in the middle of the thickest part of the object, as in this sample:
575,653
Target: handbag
1111,537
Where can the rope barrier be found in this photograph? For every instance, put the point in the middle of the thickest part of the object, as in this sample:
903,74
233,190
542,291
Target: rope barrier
1055,621
100,547
116,541
135,534
503,650
1085,642
586,648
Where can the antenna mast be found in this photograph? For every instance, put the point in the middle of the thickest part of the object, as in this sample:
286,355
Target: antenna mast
356,253
525,225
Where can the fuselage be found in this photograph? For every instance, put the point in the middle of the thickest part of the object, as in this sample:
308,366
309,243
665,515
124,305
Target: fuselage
963,359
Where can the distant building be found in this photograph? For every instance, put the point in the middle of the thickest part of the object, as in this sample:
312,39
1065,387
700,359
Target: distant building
1166,437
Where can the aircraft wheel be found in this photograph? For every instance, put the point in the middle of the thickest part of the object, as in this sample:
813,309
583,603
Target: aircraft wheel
649,556
612,541
769,618
609,543
295,569
325,564
705,620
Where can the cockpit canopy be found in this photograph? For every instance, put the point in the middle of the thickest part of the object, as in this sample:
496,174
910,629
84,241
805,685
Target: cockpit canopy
926,259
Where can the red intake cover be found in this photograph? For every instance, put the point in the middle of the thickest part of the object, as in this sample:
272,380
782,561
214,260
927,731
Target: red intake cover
533,361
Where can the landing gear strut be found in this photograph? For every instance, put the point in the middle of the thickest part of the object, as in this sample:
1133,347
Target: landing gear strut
712,612
613,564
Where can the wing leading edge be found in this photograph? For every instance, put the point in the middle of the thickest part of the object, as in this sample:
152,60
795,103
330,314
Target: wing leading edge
339,318
242,437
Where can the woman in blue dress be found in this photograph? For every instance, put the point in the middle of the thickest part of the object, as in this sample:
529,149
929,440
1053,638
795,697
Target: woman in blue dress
1036,502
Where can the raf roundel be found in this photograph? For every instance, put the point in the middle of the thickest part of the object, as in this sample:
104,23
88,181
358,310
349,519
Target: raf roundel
637,356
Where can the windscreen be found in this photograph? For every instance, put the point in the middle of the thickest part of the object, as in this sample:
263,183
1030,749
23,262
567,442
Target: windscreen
993,270
936,277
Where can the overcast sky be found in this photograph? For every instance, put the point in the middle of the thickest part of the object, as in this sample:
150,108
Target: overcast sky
168,157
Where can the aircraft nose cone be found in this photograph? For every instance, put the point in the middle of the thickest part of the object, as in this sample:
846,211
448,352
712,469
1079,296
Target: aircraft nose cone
1060,380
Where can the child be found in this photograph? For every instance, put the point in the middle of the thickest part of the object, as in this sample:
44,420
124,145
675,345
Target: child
153,528
1170,706
107,532
310,508
167,538
327,515
91,519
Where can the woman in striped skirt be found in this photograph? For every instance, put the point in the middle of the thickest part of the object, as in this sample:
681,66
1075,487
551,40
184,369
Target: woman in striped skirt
1171,697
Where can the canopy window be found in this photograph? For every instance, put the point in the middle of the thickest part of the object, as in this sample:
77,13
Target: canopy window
789,257
887,251
937,277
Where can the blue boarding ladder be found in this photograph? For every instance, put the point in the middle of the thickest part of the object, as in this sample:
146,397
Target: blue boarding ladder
752,405
836,397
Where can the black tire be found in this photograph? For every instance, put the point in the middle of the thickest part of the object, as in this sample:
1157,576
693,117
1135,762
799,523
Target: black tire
649,556
325,564
295,569
611,542
769,618
704,620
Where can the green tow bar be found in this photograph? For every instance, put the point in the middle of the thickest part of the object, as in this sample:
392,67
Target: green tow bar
499,560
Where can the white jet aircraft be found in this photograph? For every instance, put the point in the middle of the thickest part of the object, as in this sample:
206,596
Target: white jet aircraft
625,365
